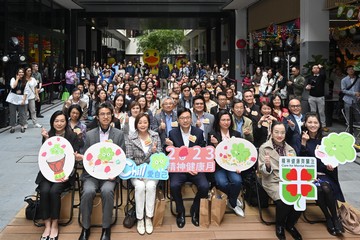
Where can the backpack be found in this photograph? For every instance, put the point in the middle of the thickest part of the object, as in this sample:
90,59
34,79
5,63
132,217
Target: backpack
250,193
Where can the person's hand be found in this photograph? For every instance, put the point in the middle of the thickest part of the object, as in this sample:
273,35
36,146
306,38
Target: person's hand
23,102
291,123
357,94
198,122
67,103
238,171
162,125
44,133
246,131
330,168
153,149
305,136
193,173
289,83
78,156
267,160
308,87
17,77
168,142
126,118
248,109
213,140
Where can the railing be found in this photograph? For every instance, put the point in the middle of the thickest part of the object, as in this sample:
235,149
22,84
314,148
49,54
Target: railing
331,4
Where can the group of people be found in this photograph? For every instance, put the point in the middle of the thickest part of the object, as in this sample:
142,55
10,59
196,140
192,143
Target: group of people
194,113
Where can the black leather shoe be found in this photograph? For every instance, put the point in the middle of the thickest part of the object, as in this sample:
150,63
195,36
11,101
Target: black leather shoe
294,233
85,233
339,228
39,116
180,220
194,217
330,227
105,234
280,232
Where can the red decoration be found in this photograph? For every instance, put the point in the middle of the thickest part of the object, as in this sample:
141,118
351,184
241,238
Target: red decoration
241,43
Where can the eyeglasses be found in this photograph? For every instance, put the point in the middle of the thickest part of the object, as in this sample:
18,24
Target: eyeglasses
104,114
184,118
295,106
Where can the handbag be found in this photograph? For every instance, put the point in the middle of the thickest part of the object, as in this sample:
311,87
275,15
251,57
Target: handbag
159,210
65,95
32,210
130,215
350,219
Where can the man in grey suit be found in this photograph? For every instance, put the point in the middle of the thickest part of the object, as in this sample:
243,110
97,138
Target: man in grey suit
104,132
200,117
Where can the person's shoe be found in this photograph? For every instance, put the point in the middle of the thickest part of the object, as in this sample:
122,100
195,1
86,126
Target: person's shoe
239,203
280,232
194,217
238,211
330,227
339,228
325,129
37,125
105,234
22,129
54,238
294,233
39,116
85,233
148,225
12,130
140,226
180,220
25,126
44,238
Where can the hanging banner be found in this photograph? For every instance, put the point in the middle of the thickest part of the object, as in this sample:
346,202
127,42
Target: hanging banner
104,160
156,169
196,159
236,154
56,159
336,148
297,185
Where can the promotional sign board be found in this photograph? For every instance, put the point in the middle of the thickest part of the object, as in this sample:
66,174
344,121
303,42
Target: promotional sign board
297,175
56,159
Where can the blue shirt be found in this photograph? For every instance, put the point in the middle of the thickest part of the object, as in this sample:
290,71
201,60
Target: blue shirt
168,121
239,124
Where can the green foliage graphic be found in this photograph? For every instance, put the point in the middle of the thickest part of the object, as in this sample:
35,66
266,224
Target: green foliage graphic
56,150
340,146
159,161
240,152
106,154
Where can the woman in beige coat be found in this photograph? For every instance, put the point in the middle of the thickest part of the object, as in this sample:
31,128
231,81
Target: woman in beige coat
269,153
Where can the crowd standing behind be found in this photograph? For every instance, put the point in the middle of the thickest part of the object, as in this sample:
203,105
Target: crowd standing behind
127,101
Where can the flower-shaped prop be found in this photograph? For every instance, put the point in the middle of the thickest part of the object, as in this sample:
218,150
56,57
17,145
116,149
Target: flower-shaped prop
156,169
297,175
56,159
104,160
235,154
196,159
336,148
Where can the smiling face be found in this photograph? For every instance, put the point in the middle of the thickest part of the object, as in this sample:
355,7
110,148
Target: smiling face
142,102
143,124
74,115
60,123
277,101
265,110
135,111
225,121
105,117
185,120
312,124
249,97
199,105
278,133
119,102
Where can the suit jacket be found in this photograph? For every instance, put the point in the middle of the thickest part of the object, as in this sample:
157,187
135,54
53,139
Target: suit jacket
215,110
134,149
93,136
162,116
176,137
75,143
270,180
207,126
293,137
247,124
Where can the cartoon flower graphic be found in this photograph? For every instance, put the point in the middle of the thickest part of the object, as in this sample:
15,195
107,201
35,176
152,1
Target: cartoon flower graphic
56,149
240,152
159,161
106,154
340,146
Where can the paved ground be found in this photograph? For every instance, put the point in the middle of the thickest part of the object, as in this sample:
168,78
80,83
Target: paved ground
19,167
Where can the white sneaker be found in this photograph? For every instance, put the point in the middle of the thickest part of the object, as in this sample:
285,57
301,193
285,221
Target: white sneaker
148,225
239,203
25,126
140,226
37,125
238,211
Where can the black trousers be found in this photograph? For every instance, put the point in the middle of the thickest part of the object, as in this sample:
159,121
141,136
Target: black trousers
286,215
38,107
178,179
50,198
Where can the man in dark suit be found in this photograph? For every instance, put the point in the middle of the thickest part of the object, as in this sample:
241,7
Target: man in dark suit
293,124
104,132
221,100
186,135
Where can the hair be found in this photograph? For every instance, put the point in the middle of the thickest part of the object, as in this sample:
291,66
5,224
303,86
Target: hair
123,107
236,101
133,104
218,117
183,110
77,107
153,98
220,94
98,98
23,81
105,105
319,133
197,97
167,98
183,87
52,120
271,103
140,86
146,102
75,89
138,117
264,103
276,123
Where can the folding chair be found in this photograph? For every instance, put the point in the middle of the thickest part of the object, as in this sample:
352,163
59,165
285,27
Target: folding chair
266,222
305,214
67,203
185,199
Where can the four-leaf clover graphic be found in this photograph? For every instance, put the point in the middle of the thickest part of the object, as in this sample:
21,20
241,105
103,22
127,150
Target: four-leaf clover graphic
56,149
106,154
240,152
159,161
340,146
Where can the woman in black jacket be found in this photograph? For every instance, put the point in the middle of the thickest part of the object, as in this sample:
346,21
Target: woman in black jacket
50,192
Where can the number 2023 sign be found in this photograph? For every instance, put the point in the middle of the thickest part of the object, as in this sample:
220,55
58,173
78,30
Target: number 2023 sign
196,159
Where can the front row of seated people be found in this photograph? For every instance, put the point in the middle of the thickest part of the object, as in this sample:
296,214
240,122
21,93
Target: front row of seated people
184,133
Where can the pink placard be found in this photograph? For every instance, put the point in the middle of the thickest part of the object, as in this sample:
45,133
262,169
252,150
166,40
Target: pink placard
196,159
